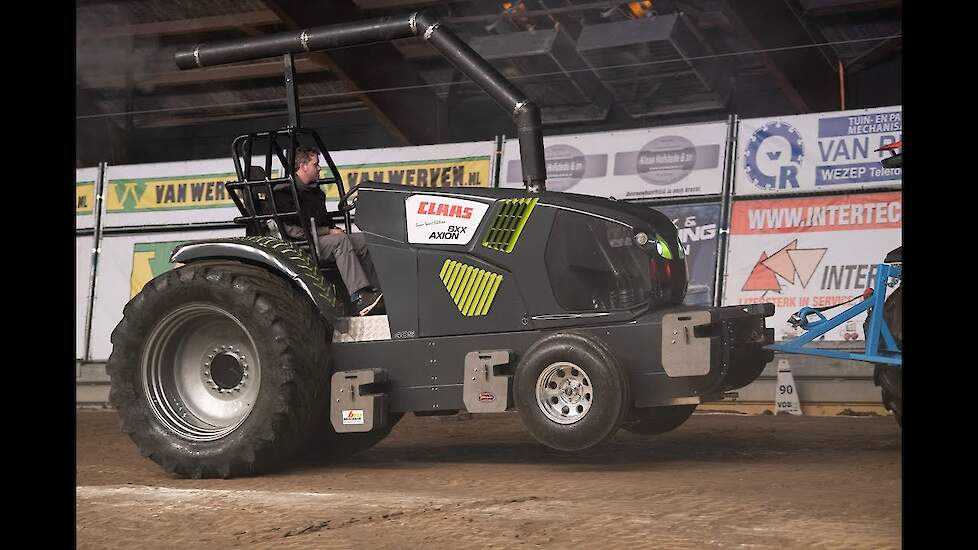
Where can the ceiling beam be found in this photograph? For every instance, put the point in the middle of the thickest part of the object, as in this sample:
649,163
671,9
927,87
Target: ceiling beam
806,76
877,54
184,26
832,7
409,115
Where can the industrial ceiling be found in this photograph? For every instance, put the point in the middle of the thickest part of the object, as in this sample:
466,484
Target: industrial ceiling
589,65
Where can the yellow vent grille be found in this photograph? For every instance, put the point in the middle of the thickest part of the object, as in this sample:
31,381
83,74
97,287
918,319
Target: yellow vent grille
508,225
471,289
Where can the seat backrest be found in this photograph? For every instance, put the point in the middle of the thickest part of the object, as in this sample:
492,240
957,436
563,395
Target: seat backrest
259,195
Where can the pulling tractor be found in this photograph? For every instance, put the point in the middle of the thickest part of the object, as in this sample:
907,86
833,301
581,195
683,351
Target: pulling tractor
565,308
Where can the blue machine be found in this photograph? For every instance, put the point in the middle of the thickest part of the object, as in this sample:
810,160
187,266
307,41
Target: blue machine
877,334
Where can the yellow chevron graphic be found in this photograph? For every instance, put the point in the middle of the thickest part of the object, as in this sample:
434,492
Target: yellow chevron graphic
472,289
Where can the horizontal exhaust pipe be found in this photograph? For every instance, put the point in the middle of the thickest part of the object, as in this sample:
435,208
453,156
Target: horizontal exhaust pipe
524,112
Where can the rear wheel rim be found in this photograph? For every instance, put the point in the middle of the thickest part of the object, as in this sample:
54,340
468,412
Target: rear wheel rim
200,372
564,392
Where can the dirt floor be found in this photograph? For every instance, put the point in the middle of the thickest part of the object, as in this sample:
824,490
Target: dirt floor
719,481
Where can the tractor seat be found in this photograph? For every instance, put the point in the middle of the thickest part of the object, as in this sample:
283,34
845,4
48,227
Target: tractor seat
263,206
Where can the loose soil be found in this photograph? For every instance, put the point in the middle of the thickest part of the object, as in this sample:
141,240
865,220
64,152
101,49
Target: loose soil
718,481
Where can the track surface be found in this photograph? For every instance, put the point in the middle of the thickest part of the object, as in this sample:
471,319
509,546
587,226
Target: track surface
719,481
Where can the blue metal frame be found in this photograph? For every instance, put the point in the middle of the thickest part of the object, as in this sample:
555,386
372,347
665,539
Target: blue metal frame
815,328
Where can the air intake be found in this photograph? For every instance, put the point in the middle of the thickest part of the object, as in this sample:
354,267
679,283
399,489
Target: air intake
509,222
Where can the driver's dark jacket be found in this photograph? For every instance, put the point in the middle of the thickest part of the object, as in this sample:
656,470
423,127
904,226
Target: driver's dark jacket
312,203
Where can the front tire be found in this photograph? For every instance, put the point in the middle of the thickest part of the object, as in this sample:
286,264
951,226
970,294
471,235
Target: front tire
571,391
217,369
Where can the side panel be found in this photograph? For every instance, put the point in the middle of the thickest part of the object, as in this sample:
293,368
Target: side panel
440,286
397,268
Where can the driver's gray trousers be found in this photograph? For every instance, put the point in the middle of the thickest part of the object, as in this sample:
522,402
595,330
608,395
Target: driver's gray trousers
350,253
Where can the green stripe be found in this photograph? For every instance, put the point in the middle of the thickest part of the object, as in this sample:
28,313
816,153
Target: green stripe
519,227
476,288
453,275
460,287
469,289
492,294
480,294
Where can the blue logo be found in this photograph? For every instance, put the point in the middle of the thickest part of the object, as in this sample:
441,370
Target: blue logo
773,155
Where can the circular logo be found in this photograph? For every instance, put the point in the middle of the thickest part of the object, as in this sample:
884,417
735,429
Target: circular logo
666,160
565,167
773,155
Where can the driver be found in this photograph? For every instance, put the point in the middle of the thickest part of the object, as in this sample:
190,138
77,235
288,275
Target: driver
349,251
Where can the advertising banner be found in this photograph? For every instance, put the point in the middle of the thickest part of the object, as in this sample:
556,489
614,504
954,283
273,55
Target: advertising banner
83,267
698,224
126,263
193,191
170,193
829,152
630,164
443,165
814,251
85,180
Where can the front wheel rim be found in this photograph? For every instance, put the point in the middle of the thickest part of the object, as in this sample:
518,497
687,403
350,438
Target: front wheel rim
564,392
200,372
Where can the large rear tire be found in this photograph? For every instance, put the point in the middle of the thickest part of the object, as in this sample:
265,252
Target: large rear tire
571,391
218,369
657,420
888,377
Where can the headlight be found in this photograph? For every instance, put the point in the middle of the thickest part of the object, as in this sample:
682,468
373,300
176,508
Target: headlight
662,247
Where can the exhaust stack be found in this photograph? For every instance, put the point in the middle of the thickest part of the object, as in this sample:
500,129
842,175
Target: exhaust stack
525,113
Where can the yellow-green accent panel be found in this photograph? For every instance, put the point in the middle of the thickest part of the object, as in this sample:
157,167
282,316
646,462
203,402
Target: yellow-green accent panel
472,289
506,228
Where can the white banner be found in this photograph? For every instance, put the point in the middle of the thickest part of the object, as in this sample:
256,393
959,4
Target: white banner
829,152
85,182
83,267
126,263
630,164
814,251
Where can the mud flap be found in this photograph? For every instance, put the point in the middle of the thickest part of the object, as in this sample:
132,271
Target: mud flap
358,402
487,381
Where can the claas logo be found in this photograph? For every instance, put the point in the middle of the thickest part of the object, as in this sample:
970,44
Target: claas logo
448,210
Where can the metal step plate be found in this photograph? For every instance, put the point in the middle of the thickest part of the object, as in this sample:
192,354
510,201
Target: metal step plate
361,329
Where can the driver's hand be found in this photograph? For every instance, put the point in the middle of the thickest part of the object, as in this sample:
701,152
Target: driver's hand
336,231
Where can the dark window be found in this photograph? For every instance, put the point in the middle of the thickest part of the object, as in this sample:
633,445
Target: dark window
595,264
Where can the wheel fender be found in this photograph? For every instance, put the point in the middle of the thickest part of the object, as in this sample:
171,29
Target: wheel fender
275,254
